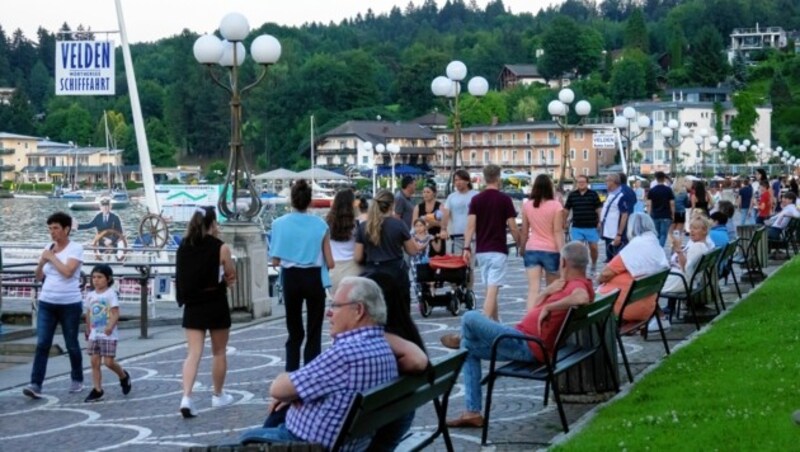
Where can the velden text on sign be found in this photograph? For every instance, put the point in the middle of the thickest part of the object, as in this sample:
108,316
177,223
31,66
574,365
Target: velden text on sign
85,68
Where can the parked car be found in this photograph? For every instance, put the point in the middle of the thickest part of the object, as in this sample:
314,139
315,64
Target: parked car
601,188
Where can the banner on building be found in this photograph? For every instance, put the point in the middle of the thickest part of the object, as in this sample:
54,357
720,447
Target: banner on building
85,68
604,140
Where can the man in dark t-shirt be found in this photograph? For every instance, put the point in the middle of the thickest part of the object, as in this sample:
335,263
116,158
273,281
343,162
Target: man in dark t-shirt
661,205
585,205
490,212
745,200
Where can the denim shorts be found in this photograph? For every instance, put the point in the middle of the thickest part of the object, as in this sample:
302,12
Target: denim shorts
492,267
588,235
545,259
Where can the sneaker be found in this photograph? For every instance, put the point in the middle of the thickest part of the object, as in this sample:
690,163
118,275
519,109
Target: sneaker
125,383
95,396
76,386
221,400
451,341
187,408
33,391
652,326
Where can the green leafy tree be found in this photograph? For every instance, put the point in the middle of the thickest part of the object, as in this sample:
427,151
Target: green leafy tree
707,58
162,153
484,110
40,85
746,116
636,32
569,48
418,68
20,113
629,77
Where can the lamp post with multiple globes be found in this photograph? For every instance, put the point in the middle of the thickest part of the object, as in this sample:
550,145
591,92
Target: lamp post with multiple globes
623,123
674,134
559,110
230,54
449,86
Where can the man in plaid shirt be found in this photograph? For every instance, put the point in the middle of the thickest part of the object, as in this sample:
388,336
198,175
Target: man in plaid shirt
321,391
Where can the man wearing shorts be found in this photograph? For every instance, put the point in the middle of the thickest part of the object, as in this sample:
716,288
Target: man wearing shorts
490,212
585,205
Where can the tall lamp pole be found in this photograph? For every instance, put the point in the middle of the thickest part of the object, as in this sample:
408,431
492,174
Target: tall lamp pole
380,148
393,150
623,123
230,54
559,110
449,86
367,147
674,134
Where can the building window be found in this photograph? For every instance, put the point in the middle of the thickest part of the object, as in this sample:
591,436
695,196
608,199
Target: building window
365,160
551,138
485,138
514,156
551,157
472,157
542,159
585,155
486,157
599,153
505,156
579,135
528,138
528,157
472,138
498,138
572,154
513,138
658,115
586,171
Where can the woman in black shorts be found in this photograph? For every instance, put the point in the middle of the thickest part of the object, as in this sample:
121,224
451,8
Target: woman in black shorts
204,268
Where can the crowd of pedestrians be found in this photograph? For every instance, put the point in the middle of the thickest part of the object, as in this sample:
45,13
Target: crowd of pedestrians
353,268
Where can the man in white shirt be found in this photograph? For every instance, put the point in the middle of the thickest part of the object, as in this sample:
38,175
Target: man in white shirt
613,217
456,210
779,221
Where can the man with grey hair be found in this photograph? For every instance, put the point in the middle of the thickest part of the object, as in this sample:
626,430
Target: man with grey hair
490,213
543,320
614,217
362,356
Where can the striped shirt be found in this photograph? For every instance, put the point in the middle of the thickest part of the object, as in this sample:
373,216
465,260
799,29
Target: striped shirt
584,208
358,359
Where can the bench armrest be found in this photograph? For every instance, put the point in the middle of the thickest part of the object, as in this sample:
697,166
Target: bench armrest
502,337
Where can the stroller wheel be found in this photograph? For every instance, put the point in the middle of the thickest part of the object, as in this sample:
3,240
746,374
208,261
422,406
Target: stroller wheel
454,304
424,307
469,299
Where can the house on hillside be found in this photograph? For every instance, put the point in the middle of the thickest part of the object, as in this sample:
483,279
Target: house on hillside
527,74
747,41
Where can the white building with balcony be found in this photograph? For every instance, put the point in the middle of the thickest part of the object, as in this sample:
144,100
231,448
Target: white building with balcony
746,41
695,115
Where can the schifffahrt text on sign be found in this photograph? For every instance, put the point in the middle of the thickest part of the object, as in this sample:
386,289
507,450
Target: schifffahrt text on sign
85,68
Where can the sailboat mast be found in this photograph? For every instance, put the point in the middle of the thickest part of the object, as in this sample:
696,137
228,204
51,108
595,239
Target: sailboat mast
313,170
108,153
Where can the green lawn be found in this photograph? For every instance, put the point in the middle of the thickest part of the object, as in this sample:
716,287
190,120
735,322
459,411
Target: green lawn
734,388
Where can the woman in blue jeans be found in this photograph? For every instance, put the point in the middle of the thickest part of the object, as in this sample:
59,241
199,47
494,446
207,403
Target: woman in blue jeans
60,303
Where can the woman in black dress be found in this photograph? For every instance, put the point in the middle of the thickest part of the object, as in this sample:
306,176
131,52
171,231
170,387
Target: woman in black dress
204,268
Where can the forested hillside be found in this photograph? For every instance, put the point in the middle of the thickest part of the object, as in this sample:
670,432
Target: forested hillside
382,65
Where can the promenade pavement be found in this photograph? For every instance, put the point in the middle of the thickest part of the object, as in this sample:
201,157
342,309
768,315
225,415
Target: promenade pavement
148,417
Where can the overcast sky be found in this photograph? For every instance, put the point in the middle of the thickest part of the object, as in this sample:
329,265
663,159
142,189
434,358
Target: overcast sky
149,20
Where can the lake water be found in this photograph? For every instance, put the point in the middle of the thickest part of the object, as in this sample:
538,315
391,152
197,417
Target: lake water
24,220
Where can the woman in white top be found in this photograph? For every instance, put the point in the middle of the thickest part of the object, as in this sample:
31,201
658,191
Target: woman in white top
60,303
685,259
342,222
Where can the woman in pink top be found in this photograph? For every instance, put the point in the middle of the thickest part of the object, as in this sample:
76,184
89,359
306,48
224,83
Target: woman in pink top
542,234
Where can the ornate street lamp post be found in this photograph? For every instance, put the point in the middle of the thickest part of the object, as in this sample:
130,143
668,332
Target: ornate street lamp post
367,147
393,150
623,123
230,54
674,134
449,86
559,110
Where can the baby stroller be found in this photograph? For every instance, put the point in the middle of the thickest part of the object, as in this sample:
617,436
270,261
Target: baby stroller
443,282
